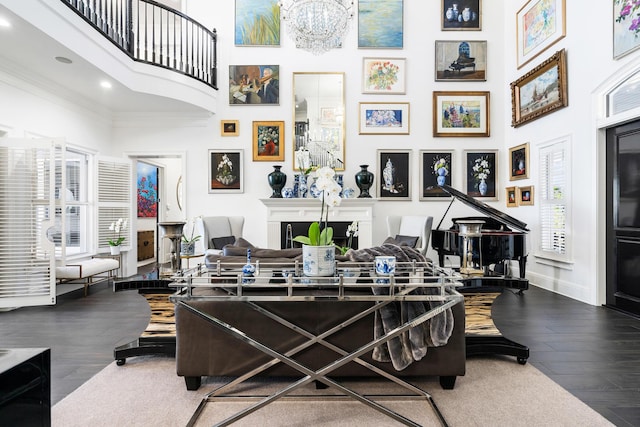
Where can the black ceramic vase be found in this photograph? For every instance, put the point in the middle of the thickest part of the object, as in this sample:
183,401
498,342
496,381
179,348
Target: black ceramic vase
277,179
364,180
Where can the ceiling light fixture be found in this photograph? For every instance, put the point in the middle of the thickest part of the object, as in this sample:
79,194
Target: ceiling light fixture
63,59
4,22
105,84
317,25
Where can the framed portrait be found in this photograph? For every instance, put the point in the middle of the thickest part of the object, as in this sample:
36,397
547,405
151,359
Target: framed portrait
539,24
229,128
257,23
254,85
394,172
461,15
461,60
373,35
511,194
436,169
625,33
384,118
525,195
519,162
268,141
460,114
225,171
481,173
384,75
541,91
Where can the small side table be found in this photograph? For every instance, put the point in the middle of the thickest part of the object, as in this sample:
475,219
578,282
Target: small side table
188,257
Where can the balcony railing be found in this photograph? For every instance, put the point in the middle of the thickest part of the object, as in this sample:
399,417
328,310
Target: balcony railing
155,34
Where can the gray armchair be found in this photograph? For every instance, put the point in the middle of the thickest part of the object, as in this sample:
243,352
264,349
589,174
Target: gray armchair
224,229
414,226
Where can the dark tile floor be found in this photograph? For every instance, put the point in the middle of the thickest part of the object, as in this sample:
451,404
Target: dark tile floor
593,352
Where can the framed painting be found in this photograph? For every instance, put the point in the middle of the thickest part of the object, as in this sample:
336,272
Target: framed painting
380,24
436,169
268,141
384,75
225,171
481,173
626,33
541,91
526,195
147,189
461,15
257,23
229,128
254,85
460,60
460,114
394,170
380,118
512,197
539,24
519,162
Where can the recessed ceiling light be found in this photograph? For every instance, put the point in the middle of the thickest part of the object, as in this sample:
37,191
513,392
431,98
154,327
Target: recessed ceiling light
63,59
4,22
105,84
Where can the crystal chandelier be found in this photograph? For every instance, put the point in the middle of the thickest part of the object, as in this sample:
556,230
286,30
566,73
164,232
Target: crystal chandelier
317,25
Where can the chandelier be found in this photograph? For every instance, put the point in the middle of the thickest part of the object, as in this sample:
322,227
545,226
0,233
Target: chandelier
317,25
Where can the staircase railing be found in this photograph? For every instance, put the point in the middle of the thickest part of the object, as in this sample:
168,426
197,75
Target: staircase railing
155,34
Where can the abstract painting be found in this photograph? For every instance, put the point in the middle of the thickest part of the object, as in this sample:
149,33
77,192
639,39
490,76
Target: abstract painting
257,23
380,24
147,184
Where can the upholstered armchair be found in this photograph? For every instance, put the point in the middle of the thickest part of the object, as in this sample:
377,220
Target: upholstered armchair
217,231
402,227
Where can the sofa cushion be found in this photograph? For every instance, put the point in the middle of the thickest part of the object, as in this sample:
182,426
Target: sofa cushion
221,242
410,241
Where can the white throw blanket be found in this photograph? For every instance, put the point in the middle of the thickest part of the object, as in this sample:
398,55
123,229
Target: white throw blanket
412,345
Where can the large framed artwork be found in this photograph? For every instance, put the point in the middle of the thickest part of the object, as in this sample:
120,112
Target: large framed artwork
541,91
461,60
394,170
225,171
257,23
380,24
626,31
254,85
461,114
539,24
460,15
384,118
481,173
519,162
147,183
436,169
268,141
384,75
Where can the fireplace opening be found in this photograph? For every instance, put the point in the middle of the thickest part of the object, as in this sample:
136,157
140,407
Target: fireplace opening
298,228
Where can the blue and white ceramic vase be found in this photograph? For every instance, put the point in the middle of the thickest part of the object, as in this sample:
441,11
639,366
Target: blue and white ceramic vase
482,187
318,260
441,179
248,270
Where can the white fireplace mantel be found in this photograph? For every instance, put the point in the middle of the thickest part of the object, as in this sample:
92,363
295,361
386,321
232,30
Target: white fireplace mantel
308,210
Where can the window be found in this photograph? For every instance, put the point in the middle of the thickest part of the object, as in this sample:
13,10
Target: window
554,201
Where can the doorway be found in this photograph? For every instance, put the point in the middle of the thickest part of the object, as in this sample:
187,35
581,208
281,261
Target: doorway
623,217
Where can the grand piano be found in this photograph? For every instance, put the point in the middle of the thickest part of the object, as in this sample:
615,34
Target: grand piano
486,246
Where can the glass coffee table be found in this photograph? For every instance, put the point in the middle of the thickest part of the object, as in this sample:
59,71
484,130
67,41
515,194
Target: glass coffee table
353,282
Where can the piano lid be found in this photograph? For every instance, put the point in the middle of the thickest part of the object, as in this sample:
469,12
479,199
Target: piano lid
486,209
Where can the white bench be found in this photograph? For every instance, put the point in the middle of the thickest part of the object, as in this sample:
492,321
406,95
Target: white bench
87,270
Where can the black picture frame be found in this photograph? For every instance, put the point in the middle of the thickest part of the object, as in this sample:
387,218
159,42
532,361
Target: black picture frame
398,185
429,165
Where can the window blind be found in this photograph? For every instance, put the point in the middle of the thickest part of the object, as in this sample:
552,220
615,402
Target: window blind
554,200
114,199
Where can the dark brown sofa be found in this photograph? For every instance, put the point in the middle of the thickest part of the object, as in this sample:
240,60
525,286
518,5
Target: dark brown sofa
204,350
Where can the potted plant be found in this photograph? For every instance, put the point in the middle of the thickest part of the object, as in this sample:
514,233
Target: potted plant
318,249
117,227
188,242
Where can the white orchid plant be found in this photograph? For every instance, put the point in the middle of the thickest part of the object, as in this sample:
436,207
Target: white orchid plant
189,237
117,227
320,234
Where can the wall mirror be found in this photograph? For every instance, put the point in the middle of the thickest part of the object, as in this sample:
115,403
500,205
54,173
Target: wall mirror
318,117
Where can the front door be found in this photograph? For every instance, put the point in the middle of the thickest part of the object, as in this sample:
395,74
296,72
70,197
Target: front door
623,217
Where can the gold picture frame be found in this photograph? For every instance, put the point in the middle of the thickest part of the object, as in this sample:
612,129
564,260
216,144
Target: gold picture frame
461,113
525,195
519,162
541,91
229,127
268,141
512,196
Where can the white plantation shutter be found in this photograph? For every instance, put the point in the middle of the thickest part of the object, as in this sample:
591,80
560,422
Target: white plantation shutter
26,209
554,198
114,198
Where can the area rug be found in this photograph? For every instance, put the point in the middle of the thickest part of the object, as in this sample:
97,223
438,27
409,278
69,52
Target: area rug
494,392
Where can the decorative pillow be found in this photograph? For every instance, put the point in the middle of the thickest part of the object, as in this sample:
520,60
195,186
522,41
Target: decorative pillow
410,241
220,242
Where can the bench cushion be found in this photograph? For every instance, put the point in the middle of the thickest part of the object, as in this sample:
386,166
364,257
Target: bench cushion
86,268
